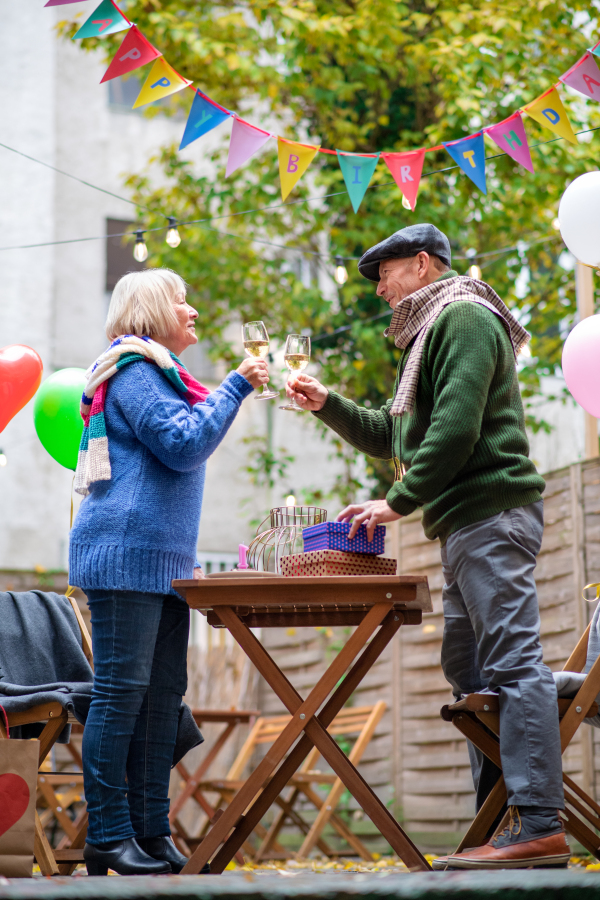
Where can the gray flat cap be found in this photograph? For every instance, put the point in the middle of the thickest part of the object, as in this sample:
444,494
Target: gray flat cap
404,243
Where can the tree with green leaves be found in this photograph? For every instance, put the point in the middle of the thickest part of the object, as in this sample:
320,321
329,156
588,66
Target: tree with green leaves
366,76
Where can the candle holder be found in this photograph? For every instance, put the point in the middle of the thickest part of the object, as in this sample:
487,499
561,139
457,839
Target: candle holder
279,539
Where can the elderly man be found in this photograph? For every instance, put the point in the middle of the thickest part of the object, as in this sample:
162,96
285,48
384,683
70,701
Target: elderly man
455,430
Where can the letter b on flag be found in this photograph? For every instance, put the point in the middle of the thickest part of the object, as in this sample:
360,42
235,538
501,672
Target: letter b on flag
293,161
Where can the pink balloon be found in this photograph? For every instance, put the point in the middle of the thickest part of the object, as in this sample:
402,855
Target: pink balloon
581,364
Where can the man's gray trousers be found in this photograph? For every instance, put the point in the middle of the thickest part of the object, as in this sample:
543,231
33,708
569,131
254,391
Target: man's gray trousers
492,641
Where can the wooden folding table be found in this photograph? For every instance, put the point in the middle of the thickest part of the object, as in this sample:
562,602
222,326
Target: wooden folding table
377,605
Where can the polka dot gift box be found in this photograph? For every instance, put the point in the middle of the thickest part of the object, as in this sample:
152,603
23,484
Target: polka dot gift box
334,536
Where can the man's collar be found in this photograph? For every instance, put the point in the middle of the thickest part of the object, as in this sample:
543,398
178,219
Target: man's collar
450,274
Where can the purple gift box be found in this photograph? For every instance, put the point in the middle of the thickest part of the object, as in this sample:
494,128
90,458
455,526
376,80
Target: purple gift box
334,536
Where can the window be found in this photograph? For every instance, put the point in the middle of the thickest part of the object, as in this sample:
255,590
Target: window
119,252
123,92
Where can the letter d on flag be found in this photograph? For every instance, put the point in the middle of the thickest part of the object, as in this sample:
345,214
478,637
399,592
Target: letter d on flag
406,171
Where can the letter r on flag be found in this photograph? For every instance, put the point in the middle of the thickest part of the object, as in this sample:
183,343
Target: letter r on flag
405,174
293,161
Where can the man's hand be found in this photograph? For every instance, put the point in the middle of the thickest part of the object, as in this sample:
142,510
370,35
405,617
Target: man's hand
198,574
371,513
254,370
307,391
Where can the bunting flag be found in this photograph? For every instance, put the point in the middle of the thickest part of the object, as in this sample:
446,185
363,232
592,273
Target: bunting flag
357,171
547,109
584,76
406,171
135,51
245,141
469,153
106,19
60,2
162,81
294,160
203,117
510,136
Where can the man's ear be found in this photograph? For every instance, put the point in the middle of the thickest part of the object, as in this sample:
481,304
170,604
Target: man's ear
423,263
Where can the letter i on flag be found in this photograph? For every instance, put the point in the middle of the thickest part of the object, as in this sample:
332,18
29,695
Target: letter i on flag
203,117
162,81
135,51
294,160
406,171
469,153
106,19
584,76
547,109
510,136
357,171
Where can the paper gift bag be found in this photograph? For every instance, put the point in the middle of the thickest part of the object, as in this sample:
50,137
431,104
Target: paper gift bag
18,781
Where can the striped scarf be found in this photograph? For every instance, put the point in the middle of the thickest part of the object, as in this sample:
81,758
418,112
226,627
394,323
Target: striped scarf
93,462
416,314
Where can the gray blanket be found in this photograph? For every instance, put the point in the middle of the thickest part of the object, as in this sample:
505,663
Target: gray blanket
568,683
42,661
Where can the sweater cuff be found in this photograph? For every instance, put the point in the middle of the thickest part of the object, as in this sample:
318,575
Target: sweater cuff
398,501
240,385
332,412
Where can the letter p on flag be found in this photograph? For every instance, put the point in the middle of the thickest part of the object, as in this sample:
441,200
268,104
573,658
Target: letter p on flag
406,171
162,81
135,51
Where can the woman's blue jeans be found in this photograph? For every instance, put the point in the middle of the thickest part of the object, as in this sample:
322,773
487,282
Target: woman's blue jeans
140,675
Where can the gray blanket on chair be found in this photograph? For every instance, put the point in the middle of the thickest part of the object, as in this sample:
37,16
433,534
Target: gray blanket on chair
42,661
568,683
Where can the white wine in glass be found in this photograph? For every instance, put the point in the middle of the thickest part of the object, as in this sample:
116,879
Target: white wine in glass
256,343
296,356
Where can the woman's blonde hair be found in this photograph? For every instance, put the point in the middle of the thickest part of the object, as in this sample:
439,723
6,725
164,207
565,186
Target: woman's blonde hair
142,303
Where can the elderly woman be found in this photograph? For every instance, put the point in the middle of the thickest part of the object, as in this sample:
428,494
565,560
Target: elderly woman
149,429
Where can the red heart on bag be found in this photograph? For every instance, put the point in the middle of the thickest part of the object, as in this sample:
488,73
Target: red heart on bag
20,377
14,800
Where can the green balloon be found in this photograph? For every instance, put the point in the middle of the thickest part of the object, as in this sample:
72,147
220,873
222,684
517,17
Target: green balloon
56,415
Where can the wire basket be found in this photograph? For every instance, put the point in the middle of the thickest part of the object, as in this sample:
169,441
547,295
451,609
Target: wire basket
279,540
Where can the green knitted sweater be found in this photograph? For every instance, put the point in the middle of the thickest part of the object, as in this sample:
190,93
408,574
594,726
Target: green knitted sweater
464,450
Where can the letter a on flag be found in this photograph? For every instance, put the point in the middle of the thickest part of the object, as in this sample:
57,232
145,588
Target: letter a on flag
357,171
294,160
245,140
584,76
510,136
135,51
470,156
162,80
106,19
203,117
406,170
547,109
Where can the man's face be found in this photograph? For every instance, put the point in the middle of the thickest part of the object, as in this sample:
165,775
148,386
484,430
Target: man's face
400,277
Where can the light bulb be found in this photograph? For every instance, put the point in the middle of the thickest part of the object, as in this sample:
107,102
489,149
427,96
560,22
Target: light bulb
3,459
290,500
406,204
525,351
475,272
140,251
341,273
173,238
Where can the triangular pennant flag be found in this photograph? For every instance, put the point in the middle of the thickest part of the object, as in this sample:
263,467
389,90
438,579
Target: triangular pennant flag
549,112
245,140
584,76
60,2
406,170
469,153
357,171
510,136
135,51
203,117
162,81
106,19
294,160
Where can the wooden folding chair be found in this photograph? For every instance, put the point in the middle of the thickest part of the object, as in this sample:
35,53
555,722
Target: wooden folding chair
476,710
53,862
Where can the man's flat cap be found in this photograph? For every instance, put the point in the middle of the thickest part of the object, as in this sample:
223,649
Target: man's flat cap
404,243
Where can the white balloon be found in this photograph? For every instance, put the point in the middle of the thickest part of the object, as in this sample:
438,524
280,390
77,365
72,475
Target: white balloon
579,218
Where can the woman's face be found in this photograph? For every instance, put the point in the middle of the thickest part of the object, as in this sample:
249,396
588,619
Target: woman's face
183,333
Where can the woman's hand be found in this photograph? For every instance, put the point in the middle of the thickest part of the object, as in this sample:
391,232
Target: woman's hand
254,370
198,574
307,391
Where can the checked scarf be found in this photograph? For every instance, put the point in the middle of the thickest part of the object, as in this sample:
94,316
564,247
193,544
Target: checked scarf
93,462
416,314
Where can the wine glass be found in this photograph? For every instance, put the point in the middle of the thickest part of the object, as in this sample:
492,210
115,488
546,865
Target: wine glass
297,357
256,343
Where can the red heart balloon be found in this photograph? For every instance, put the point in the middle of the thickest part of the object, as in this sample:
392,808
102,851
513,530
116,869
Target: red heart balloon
14,800
20,376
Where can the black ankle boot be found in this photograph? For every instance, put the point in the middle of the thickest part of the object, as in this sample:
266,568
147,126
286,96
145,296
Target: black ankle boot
124,858
163,848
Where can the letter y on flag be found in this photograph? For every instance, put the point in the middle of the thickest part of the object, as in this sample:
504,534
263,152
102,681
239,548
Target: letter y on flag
406,171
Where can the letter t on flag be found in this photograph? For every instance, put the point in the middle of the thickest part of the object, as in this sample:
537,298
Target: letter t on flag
406,171
469,153
294,160
135,51
357,171
510,136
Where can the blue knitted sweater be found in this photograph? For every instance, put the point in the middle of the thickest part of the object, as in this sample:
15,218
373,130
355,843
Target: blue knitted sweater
139,530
